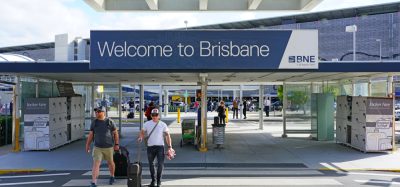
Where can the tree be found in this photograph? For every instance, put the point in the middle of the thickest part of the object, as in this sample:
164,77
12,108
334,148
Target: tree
334,90
280,92
298,99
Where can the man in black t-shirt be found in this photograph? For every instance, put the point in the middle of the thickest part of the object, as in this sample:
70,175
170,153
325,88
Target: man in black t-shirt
106,140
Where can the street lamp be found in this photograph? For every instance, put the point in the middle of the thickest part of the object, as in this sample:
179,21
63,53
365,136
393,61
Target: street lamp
353,29
186,23
380,49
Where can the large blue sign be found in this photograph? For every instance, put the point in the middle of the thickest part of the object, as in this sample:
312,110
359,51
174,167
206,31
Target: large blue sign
204,50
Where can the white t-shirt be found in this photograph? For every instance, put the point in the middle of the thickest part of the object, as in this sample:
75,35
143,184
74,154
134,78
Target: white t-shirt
157,137
267,102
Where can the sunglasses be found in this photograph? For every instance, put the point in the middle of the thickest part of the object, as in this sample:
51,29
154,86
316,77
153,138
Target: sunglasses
154,114
98,111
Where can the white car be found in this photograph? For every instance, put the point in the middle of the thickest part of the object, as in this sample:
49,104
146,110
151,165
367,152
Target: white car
397,114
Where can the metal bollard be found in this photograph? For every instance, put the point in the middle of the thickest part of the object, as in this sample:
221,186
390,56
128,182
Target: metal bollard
226,115
179,115
17,147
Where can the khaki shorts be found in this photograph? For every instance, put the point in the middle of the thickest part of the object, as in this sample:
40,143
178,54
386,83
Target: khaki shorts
100,154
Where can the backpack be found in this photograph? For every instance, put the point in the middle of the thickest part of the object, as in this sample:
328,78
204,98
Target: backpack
148,111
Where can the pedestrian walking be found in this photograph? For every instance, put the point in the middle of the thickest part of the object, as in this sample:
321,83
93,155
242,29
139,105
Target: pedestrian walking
106,141
235,108
267,106
154,132
221,112
244,108
148,111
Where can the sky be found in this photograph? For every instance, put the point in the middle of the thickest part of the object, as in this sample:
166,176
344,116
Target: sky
38,21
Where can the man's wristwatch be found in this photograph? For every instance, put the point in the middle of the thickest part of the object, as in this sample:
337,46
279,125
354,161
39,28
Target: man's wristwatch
169,147
116,144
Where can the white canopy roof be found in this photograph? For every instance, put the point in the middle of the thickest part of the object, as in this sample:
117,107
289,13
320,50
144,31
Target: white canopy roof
14,58
203,5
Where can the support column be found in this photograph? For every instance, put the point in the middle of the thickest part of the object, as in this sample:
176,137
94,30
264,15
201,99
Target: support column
353,88
203,145
389,85
393,94
37,88
120,109
160,99
285,105
92,115
241,101
261,107
369,87
186,101
141,106
166,103
16,115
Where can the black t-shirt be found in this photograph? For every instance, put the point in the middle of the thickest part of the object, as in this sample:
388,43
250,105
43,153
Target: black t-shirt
131,104
221,111
102,130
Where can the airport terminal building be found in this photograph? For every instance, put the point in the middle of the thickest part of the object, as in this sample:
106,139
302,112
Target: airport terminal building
344,52
376,25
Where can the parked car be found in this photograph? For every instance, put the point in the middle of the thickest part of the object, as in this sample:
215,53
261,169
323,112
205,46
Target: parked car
229,105
277,105
397,114
178,103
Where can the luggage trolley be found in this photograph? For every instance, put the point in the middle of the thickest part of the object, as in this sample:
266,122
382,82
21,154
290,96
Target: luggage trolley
188,131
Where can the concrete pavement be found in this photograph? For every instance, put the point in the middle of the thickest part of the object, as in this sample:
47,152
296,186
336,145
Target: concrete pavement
244,143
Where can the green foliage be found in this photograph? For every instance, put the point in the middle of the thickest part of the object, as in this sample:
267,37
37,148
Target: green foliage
333,90
298,97
280,92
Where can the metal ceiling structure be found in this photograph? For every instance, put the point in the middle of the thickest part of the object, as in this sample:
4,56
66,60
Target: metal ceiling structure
203,5
27,47
81,73
307,17
213,78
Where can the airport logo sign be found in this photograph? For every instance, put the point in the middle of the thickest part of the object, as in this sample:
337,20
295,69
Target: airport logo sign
204,50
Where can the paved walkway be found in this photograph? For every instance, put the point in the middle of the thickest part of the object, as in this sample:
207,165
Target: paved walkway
246,145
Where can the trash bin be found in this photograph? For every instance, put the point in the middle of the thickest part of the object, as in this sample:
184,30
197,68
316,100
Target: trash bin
218,134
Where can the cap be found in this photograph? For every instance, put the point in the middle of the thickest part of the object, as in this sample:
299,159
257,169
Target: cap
101,108
155,111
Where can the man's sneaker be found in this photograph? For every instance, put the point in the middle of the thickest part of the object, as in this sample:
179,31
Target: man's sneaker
112,180
158,183
93,184
153,183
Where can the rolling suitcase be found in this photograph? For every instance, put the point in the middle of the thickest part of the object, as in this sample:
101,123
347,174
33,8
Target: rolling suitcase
121,160
135,174
131,115
135,171
216,120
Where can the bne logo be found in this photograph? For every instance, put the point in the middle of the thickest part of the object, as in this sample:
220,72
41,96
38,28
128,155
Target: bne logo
302,59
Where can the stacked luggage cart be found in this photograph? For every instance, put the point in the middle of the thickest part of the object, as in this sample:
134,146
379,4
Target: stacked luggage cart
188,132
218,133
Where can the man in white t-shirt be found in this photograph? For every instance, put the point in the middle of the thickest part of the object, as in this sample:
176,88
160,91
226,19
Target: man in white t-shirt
155,144
267,106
